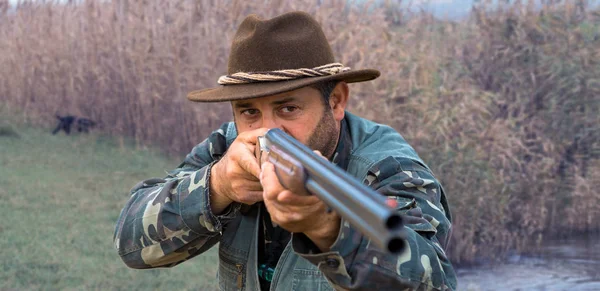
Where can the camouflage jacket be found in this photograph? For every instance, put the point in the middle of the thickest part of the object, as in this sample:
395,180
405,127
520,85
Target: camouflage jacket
167,221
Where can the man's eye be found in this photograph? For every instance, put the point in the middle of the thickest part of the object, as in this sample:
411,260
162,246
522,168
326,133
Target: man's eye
288,109
250,112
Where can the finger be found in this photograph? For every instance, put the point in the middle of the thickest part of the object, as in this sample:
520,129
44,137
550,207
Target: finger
250,137
319,154
251,178
289,198
281,214
251,197
249,164
273,208
297,210
270,182
253,186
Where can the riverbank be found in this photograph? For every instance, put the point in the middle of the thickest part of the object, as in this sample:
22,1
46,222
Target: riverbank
570,264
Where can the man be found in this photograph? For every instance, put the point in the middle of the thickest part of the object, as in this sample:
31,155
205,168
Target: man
282,75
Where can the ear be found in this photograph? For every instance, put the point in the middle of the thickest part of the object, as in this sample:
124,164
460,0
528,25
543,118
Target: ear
338,100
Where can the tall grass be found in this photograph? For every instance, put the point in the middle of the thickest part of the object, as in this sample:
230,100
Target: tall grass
503,105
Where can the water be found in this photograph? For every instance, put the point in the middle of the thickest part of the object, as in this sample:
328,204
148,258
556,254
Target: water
572,264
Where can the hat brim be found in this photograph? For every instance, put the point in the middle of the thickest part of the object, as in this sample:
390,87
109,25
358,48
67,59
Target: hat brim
262,89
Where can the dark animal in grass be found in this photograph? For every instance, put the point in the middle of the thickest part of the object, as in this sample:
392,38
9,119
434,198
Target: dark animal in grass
81,124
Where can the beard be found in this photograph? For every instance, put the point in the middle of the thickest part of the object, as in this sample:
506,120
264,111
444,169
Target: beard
325,136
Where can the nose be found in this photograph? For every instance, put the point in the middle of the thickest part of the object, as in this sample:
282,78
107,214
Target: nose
269,122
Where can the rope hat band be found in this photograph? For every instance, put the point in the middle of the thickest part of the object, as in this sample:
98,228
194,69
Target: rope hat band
282,75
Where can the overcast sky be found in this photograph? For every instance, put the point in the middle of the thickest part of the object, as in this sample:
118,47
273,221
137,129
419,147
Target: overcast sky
445,8
441,8
451,8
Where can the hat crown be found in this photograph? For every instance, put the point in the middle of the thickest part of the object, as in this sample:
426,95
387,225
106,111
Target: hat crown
290,41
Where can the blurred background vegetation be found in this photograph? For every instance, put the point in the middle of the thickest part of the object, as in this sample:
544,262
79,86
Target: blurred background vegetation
503,104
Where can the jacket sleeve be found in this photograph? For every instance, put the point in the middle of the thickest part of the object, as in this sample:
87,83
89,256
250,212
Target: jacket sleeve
353,264
167,221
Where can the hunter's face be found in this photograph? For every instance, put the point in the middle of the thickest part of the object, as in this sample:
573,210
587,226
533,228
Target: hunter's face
300,113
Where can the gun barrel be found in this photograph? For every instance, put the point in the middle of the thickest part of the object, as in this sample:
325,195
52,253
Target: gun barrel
360,205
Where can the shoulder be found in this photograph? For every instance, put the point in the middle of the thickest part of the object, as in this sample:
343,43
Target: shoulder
216,144
379,144
410,173
210,149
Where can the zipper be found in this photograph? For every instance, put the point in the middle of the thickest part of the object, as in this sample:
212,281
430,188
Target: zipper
240,276
240,270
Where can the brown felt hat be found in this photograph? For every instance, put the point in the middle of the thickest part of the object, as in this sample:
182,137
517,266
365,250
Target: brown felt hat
291,41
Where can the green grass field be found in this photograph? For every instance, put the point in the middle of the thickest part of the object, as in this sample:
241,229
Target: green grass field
61,196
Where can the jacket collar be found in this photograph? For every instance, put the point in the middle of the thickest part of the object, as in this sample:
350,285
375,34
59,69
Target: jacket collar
344,147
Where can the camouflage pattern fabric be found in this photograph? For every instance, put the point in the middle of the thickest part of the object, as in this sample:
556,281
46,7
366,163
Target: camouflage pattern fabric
167,221
423,265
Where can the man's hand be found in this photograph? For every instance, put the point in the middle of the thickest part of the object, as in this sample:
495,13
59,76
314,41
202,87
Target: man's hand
235,176
299,212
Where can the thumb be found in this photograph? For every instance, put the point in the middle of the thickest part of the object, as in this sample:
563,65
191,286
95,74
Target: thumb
250,137
319,154
249,164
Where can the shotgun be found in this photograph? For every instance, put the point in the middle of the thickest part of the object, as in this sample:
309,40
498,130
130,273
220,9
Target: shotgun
298,167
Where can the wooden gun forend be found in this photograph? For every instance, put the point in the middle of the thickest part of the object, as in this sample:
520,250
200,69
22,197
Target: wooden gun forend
298,167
